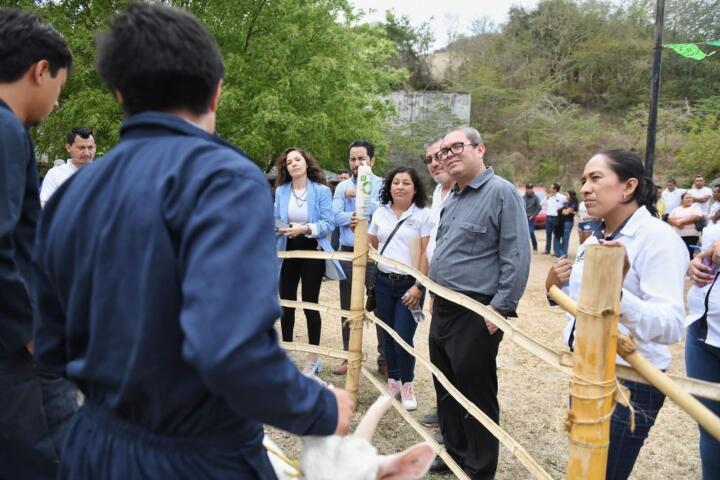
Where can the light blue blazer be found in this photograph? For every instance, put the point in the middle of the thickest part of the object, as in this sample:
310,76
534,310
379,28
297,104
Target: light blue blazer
321,220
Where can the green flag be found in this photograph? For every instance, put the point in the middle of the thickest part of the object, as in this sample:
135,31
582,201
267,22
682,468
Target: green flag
689,50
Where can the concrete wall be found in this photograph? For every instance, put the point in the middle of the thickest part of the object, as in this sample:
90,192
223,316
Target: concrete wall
442,107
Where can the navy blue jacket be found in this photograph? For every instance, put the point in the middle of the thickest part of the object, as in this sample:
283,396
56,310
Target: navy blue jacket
156,276
19,210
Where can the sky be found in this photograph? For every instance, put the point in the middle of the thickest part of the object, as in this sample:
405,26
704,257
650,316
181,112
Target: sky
444,16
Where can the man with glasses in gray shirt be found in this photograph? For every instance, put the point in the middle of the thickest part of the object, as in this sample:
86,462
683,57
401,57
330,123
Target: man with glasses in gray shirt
483,251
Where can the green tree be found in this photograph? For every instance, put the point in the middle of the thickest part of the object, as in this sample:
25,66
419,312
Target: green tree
298,72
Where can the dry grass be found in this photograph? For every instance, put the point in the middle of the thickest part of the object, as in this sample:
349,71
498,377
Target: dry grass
533,396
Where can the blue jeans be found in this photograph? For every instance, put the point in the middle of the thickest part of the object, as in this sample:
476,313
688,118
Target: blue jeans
390,309
703,362
562,243
531,227
624,444
550,223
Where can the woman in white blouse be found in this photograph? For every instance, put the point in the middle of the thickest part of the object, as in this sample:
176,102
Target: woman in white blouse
403,200
616,190
683,218
702,346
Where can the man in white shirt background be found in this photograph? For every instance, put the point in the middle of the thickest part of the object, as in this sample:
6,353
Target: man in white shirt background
436,169
554,202
713,215
701,194
671,196
81,147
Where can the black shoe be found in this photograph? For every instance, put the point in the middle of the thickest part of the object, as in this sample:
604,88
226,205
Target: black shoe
430,420
439,466
439,438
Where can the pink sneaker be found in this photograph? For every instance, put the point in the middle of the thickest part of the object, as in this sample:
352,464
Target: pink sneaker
407,393
393,387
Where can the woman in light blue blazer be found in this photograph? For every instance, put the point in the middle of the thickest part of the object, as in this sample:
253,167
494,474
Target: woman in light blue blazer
304,220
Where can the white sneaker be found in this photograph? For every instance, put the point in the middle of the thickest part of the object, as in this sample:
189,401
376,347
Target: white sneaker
407,393
394,387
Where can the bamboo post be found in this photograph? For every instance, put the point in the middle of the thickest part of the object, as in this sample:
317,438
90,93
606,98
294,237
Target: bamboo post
593,380
357,293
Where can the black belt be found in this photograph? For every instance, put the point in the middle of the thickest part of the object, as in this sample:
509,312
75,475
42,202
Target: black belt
396,276
344,248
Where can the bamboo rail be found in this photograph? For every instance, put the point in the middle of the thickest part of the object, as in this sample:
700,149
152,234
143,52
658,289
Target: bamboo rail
440,451
509,442
562,361
665,383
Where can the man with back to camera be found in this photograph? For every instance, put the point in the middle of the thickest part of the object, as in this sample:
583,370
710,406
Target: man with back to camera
81,147
532,208
157,278
35,405
483,228
360,152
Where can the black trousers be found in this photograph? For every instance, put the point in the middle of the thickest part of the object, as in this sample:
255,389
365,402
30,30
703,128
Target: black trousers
463,349
694,241
36,409
311,273
345,293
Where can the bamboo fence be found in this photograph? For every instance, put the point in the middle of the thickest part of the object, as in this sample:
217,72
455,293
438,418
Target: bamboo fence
682,387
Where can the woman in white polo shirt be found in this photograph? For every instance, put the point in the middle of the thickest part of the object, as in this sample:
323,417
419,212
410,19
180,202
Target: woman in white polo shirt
616,190
702,346
403,200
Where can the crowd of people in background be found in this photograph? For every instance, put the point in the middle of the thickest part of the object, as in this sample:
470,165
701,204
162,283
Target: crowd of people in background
148,366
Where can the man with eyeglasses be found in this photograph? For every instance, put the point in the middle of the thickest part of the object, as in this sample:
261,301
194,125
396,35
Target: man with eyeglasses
360,152
81,147
482,251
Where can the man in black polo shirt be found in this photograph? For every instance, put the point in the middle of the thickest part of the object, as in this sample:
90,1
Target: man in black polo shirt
482,251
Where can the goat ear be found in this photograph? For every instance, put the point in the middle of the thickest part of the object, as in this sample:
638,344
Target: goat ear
411,464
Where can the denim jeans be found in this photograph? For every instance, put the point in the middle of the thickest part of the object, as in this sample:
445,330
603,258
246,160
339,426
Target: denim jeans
390,309
703,362
550,223
562,243
624,444
531,227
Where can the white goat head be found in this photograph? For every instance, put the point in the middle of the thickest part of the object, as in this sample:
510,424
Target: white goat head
352,457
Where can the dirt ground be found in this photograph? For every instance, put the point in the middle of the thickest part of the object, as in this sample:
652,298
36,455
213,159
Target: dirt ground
533,396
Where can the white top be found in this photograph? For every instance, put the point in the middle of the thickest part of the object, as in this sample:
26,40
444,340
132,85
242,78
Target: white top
714,207
671,199
681,213
55,177
652,305
298,214
554,204
696,295
435,209
418,224
702,192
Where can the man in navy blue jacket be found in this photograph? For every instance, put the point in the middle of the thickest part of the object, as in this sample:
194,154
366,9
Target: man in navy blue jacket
35,405
157,277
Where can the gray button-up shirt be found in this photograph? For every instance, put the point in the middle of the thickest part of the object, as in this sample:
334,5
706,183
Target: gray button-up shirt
483,244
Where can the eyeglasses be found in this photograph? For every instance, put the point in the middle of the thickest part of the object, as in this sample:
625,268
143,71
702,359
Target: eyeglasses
455,148
429,159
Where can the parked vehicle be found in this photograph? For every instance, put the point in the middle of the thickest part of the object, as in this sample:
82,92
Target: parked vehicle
540,192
